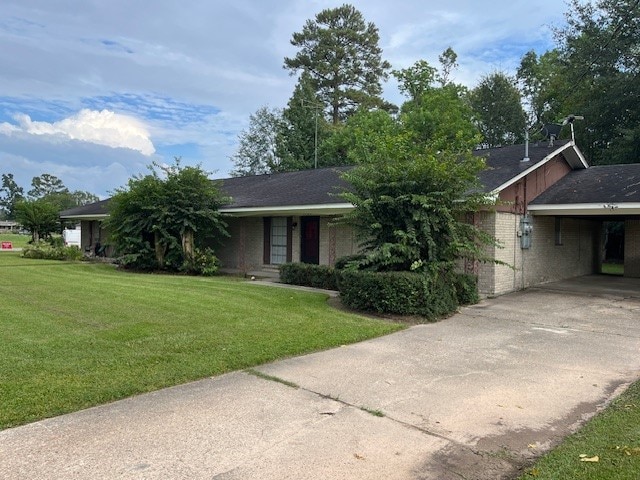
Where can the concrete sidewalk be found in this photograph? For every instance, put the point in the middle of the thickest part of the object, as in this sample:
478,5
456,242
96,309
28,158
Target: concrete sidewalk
473,396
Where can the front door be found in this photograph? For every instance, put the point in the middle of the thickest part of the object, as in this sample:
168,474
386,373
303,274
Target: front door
310,241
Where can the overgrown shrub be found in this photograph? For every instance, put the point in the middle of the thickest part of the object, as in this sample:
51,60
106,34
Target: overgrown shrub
56,242
343,262
430,295
466,287
309,275
203,262
45,251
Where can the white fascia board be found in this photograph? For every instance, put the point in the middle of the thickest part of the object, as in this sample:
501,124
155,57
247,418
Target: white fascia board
571,145
321,209
587,209
86,217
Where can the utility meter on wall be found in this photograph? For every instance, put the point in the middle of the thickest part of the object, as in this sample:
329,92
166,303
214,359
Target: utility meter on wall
526,229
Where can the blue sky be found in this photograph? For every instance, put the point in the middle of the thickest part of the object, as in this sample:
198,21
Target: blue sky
93,92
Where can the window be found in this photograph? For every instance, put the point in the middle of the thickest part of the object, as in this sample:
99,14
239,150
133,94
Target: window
278,240
558,232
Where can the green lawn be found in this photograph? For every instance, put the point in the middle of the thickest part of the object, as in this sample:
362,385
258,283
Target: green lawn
18,241
613,268
80,334
613,437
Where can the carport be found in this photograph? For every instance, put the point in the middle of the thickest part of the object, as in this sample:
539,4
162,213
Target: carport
608,193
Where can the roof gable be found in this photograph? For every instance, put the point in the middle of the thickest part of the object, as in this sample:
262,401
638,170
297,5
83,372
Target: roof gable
505,165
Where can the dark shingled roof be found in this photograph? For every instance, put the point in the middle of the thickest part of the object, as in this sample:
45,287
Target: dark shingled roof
505,163
322,186
97,208
306,187
601,184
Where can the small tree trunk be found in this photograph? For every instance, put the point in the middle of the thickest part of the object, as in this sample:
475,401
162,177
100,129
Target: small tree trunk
160,250
187,243
35,236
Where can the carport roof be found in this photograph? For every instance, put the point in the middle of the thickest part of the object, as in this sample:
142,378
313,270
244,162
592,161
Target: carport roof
602,190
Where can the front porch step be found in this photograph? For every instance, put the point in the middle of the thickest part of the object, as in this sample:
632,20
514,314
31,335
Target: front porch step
266,272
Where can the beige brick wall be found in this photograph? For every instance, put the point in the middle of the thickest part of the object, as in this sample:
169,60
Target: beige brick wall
243,250
336,240
495,279
544,261
577,256
632,248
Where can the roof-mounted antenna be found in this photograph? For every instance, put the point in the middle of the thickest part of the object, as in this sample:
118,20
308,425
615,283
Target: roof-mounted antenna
570,119
551,131
526,145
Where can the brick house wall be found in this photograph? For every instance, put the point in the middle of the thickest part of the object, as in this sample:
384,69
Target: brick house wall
632,248
243,250
576,254
545,261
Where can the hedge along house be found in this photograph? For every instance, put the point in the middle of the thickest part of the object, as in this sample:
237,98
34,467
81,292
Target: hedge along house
290,217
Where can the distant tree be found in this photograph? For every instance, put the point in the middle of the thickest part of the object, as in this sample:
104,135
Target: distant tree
543,85
83,197
593,71
352,142
257,151
303,127
600,49
10,194
498,110
448,62
340,52
167,220
415,80
39,216
435,117
46,184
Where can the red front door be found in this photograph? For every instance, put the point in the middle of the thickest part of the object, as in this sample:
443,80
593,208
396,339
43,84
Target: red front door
310,241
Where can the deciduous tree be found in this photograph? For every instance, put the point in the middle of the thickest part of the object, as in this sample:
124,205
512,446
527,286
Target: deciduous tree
257,151
39,216
10,194
167,219
414,183
498,110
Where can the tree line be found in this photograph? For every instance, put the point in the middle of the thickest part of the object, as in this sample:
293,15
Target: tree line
592,71
38,209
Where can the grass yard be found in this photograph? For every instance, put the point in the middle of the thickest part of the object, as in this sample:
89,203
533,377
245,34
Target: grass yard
613,268
613,437
80,334
18,240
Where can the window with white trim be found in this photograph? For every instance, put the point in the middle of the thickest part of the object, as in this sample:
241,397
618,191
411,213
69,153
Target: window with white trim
278,240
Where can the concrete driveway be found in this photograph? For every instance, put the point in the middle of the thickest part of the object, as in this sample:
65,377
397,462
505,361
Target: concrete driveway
473,396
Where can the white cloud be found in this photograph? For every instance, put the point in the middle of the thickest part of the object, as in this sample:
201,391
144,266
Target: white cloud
100,127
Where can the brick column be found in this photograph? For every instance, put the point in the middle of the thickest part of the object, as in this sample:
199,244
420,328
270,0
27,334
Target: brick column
632,248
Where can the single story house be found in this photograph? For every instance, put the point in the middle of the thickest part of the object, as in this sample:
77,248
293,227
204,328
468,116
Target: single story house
549,215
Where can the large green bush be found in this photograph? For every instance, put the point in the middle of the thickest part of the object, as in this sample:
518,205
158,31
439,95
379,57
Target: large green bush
404,293
45,251
466,287
309,275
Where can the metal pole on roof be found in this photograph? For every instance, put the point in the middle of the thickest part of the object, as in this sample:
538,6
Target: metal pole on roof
316,107
315,143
